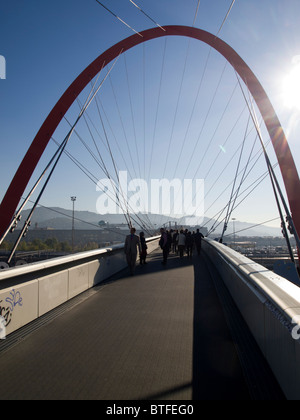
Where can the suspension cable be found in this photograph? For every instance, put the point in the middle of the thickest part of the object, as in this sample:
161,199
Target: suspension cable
94,179
28,220
254,226
256,184
132,115
226,17
17,216
203,125
117,17
104,168
283,225
196,14
177,105
229,208
120,152
218,155
271,170
149,17
127,215
245,176
115,185
157,107
27,223
76,218
202,128
122,125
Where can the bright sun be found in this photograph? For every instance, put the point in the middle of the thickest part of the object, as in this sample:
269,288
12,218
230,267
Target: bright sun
291,87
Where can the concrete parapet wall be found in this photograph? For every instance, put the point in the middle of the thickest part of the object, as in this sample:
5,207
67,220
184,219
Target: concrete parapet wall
269,304
30,291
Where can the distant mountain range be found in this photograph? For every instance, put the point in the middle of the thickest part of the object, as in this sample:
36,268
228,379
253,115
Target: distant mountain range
61,219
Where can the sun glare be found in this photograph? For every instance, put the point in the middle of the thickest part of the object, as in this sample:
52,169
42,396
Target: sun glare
291,87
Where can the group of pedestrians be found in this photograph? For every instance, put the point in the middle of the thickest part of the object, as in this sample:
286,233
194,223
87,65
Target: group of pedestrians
180,242
135,244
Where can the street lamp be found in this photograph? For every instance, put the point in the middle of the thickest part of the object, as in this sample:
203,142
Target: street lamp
73,199
233,219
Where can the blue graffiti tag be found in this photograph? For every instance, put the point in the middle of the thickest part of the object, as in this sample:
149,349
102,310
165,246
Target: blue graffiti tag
14,300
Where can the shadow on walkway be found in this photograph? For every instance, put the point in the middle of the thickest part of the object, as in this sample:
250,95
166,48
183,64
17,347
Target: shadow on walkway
227,362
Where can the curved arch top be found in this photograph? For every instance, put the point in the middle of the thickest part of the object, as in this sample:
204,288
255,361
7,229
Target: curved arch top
281,147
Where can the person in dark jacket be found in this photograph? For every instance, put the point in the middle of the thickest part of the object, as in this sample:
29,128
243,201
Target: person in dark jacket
175,241
164,244
198,241
144,248
131,249
189,243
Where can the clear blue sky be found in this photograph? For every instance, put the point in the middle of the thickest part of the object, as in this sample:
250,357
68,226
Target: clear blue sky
47,44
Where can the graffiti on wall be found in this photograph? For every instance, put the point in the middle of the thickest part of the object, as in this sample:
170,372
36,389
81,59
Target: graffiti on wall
8,306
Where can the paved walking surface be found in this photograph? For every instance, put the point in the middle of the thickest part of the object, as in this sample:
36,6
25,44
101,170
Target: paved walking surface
160,335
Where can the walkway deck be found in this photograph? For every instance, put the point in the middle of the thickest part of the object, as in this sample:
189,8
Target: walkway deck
161,334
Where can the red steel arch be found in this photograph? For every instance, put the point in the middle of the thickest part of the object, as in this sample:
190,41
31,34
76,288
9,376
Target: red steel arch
34,153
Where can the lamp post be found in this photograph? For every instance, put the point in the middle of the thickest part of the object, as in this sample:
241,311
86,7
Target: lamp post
73,199
233,219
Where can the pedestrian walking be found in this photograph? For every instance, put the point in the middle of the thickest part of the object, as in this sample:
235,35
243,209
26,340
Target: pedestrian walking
175,241
165,245
189,243
131,249
181,243
144,248
198,241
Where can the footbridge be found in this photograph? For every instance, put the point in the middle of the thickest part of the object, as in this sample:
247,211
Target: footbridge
214,327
